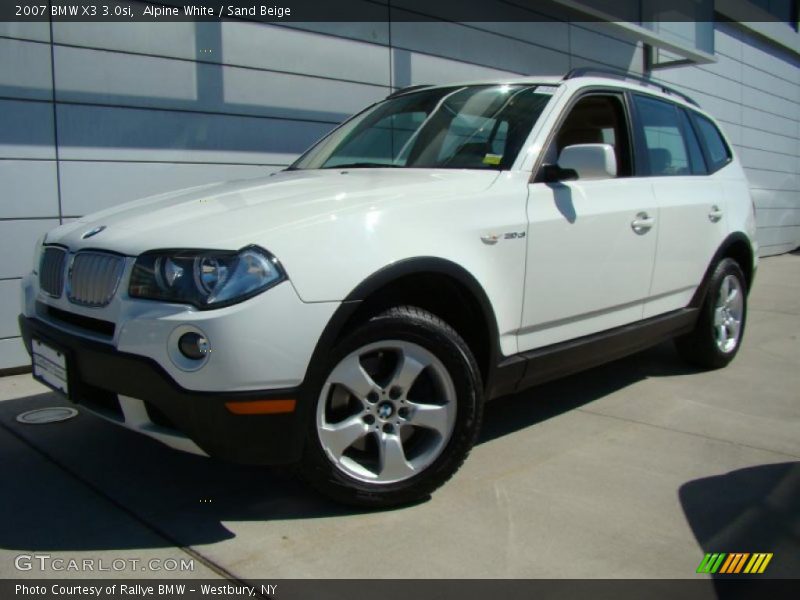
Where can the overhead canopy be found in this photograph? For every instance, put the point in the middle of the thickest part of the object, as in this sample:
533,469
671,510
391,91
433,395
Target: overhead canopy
684,28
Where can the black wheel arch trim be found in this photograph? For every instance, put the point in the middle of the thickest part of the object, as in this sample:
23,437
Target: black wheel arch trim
393,272
733,238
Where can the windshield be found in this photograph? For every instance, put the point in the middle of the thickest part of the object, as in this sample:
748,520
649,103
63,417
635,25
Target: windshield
472,127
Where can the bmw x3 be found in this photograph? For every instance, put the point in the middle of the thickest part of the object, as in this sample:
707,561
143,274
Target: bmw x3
451,244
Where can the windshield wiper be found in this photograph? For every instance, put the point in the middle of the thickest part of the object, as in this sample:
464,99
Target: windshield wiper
363,165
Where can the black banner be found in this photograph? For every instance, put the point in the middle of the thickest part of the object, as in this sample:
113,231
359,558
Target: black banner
394,589
634,11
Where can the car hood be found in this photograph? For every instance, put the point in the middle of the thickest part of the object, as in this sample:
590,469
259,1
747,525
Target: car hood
234,214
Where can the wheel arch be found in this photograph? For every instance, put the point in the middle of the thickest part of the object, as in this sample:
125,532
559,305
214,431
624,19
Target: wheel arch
738,247
435,284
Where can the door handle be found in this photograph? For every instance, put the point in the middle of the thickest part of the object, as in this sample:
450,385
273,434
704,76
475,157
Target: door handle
715,214
642,223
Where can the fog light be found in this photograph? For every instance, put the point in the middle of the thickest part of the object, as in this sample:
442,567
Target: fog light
193,345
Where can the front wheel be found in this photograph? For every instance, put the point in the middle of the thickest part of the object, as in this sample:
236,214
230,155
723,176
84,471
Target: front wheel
398,411
718,333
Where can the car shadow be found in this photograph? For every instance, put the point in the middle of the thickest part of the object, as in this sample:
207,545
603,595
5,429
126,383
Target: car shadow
524,409
148,495
752,510
184,499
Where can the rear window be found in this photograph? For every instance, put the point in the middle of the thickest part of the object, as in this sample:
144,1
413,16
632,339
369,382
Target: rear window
717,152
696,158
667,152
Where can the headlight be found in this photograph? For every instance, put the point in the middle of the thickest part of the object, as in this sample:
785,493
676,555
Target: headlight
204,278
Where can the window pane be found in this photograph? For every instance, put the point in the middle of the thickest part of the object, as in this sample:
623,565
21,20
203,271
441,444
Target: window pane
477,128
717,148
466,127
595,119
382,142
695,153
666,149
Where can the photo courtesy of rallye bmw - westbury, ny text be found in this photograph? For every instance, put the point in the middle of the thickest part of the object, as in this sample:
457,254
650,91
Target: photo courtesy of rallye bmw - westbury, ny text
145,590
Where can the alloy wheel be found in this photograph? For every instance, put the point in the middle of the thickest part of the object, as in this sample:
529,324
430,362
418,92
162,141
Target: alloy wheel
728,314
386,412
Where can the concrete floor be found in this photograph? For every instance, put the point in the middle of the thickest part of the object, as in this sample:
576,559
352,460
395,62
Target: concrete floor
634,469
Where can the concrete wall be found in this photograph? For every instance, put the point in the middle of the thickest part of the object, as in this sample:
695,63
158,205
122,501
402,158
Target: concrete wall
94,115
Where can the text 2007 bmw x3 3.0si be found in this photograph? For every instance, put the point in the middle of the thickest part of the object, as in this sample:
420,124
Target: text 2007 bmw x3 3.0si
445,246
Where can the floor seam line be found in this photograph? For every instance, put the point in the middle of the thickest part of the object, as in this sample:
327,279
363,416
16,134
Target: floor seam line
693,434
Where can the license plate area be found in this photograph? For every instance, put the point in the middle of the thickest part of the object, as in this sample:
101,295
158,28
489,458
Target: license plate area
50,366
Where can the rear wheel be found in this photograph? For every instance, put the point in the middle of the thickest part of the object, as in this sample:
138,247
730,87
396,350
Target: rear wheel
397,413
718,333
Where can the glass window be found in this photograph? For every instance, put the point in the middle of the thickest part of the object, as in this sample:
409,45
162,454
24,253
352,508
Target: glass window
471,127
381,142
696,159
718,152
486,132
595,119
666,147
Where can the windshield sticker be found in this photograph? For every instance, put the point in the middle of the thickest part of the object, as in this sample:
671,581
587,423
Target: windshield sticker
546,89
492,159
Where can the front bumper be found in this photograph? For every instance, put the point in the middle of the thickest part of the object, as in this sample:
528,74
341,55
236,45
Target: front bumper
137,392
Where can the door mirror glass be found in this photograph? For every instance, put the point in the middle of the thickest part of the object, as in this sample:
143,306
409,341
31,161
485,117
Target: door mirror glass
589,161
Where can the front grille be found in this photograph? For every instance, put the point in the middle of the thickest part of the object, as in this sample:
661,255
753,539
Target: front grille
51,271
94,277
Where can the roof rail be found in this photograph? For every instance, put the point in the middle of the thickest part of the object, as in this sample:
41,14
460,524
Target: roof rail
590,71
405,90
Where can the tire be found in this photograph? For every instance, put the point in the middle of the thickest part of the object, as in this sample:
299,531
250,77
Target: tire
397,412
717,336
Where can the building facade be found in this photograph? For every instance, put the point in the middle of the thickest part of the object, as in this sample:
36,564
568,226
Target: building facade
93,115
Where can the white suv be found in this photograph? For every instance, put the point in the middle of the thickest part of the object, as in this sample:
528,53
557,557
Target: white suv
448,245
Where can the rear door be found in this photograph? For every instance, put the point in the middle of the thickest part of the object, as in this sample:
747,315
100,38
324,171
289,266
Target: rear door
692,221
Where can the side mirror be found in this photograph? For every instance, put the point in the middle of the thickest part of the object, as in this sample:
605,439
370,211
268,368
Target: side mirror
589,161
554,173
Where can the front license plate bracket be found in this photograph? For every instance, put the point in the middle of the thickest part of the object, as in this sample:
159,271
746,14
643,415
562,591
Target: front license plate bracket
50,366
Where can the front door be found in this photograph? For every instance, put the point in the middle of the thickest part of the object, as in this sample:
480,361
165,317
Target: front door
591,244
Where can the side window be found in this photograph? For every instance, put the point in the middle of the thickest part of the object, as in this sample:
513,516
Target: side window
666,148
595,119
717,150
698,163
